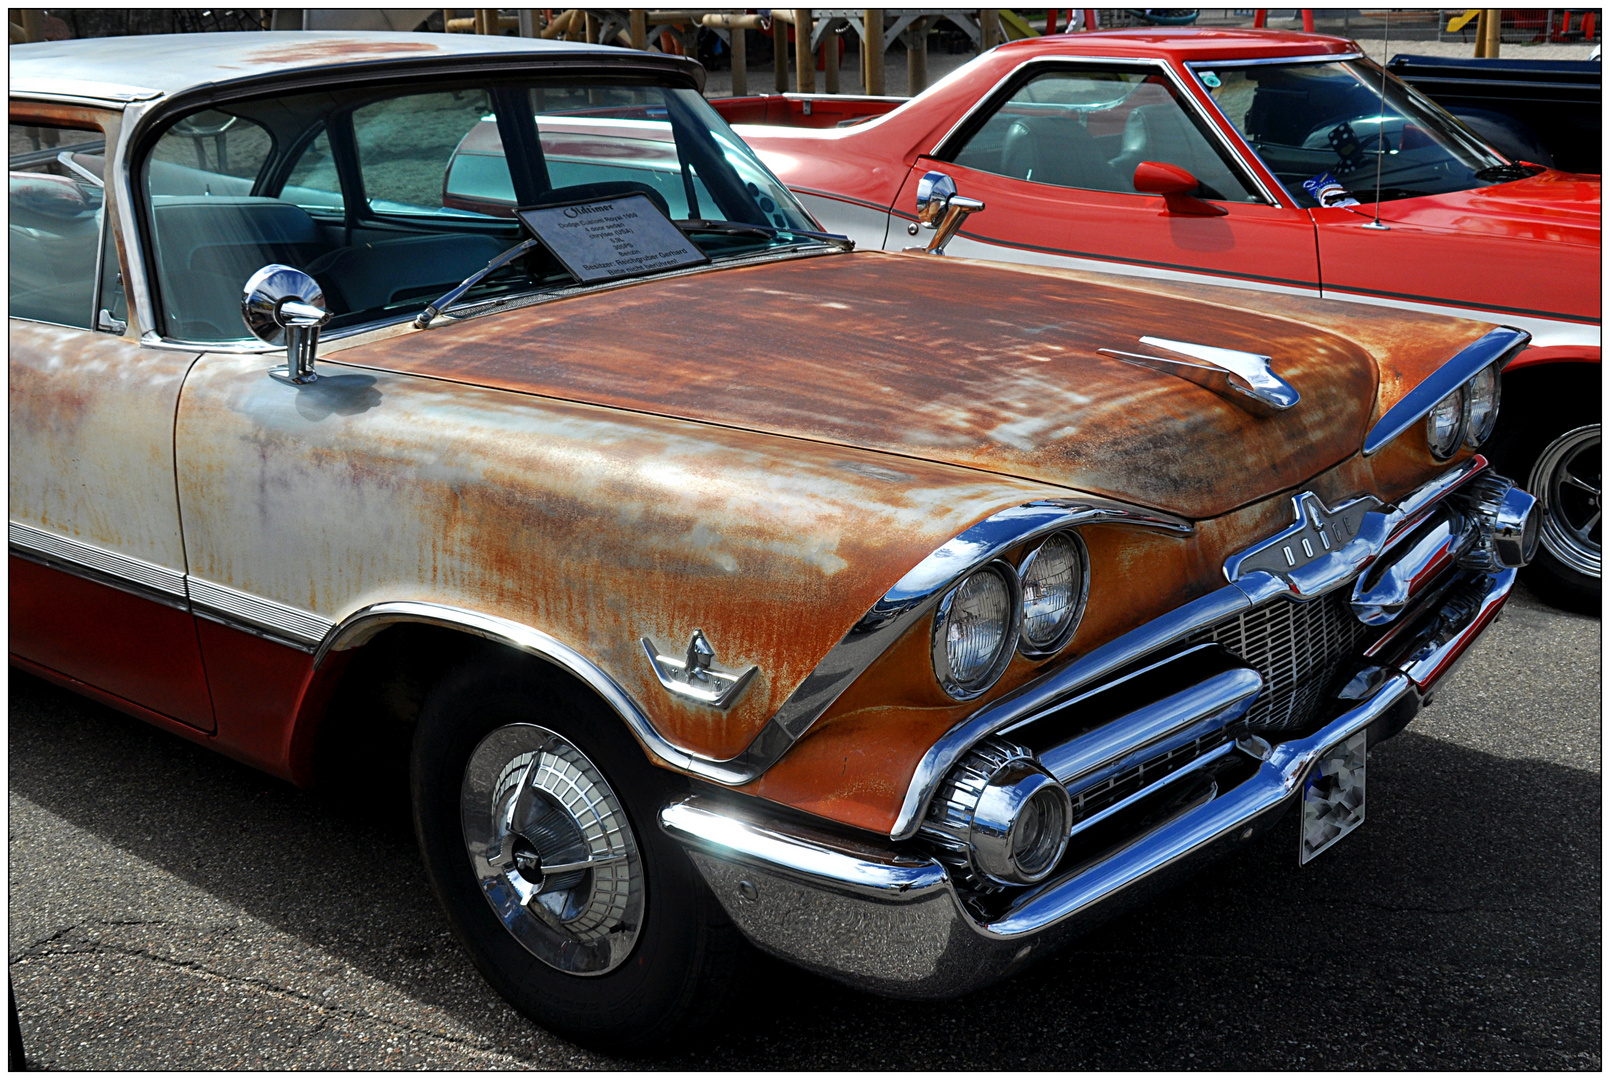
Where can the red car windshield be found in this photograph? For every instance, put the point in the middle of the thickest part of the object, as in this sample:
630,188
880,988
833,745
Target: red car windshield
1323,128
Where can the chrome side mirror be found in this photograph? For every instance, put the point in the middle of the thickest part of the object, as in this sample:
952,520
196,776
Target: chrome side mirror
941,209
285,306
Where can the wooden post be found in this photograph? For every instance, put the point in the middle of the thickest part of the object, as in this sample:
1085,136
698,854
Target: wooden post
592,28
1490,35
804,55
33,24
740,61
639,19
779,53
989,29
830,61
917,57
872,45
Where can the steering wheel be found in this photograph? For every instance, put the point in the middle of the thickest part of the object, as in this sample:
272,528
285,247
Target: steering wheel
191,128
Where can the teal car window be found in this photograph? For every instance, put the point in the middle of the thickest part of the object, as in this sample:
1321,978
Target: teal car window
390,199
55,203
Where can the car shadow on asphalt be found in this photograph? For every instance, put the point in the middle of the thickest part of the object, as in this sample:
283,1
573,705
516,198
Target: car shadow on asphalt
1459,927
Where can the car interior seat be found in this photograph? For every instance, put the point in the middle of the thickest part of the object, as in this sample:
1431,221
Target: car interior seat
1161,133
1057,150
208,245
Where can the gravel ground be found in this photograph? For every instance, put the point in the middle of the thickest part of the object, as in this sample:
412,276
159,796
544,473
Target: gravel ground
170,909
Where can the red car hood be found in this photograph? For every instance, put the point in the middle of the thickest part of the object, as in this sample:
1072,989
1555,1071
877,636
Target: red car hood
1554,206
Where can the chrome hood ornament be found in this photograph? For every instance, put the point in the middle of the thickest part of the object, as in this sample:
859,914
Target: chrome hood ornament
1242,378
692,676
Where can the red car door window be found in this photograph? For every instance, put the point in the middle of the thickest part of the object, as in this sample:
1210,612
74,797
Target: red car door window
1054,160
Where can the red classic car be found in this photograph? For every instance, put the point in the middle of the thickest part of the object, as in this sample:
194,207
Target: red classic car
1289,164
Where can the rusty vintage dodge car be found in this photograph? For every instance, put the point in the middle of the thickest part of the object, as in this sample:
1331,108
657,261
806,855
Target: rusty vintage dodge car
896,613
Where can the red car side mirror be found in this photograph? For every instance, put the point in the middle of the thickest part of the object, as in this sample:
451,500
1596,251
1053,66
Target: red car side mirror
1174,184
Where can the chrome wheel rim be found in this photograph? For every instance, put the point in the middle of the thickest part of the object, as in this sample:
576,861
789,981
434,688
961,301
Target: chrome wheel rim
1566,480
552,849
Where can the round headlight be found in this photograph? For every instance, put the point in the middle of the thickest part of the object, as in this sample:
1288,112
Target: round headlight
1483,392
974,629
1445,424
1055,581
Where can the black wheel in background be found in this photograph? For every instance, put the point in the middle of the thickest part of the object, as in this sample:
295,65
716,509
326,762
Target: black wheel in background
1548,441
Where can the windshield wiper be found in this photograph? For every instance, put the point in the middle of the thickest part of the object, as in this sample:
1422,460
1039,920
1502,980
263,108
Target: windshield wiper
1507,172
432,310
744,228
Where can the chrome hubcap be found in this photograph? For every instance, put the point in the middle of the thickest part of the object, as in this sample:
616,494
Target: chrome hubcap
552,849
1566,480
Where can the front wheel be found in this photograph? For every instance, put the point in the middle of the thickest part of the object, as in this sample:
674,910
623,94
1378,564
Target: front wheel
537,820
1565,478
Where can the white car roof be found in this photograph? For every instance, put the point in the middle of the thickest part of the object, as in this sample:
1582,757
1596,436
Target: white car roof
146,66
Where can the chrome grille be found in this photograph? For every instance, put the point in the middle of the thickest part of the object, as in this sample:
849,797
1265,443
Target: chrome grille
1093,800
1296,647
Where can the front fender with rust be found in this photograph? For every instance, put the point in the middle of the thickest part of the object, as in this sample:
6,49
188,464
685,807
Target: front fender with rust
597,526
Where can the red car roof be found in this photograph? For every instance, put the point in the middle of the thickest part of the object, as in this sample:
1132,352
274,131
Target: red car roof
1183,44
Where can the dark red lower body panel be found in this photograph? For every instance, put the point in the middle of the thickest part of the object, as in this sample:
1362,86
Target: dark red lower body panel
136,649
258,687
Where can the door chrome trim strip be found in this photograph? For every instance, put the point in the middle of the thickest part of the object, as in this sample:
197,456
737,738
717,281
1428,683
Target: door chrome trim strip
78,570
293,624
76,553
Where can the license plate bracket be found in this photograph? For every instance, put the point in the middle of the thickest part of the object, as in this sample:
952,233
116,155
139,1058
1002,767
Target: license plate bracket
1333,797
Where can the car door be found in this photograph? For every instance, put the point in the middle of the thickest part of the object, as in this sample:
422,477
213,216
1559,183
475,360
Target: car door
1053,155
97,566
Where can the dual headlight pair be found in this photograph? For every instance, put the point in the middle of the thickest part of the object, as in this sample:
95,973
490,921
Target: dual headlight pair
999,608
1466,416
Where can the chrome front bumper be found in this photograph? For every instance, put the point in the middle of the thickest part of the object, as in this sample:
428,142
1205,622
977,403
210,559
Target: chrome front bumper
887,918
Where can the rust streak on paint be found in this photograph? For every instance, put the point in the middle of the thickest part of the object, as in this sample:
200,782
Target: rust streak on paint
964,363
595,526
338,50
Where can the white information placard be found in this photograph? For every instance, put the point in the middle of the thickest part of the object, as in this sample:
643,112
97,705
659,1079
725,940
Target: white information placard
606,239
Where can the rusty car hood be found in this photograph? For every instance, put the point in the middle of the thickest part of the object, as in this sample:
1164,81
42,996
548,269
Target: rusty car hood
939,359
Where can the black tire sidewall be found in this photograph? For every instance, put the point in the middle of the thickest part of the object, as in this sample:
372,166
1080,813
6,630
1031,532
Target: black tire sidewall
1514,450
637,1003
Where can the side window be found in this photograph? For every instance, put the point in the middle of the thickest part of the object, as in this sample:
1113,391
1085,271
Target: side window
313,183
1089,128
210,232
55,201
209,153
407,145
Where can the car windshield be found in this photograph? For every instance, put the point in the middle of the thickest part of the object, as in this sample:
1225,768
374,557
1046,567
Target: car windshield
1322,128
390,198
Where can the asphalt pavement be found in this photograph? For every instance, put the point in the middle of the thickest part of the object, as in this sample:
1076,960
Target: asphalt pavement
170,909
